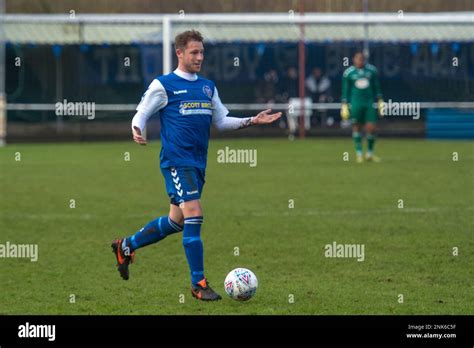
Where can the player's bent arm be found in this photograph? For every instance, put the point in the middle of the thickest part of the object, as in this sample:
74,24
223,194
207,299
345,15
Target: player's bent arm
345,95
231,123
223,122
220,119
345,85
139,120
154,99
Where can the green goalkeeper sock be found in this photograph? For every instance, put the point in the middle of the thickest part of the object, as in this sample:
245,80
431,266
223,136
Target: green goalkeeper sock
357,142
370,143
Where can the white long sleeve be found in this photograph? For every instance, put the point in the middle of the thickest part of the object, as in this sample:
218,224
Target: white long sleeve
154,99
220,119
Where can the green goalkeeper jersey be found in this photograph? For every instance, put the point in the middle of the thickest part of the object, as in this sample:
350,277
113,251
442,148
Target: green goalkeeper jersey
360,86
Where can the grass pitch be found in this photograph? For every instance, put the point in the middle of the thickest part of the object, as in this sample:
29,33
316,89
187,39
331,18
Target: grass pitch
409,251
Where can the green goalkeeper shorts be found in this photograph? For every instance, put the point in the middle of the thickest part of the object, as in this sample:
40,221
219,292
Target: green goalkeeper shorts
363,114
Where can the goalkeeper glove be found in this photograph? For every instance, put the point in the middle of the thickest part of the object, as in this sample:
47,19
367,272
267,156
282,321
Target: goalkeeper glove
380,107
345,111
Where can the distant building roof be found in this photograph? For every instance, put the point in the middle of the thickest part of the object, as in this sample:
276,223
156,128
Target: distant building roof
126,29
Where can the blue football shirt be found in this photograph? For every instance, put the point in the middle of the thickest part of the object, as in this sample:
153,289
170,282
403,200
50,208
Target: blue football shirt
185,121
187,105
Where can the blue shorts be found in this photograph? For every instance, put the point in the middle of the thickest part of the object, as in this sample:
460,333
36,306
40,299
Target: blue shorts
183,184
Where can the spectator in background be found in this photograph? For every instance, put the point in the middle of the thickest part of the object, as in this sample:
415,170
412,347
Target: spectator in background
290,83
294,108
267,89
319,87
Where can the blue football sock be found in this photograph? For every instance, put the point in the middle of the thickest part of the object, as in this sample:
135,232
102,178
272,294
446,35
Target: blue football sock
153,232
193,247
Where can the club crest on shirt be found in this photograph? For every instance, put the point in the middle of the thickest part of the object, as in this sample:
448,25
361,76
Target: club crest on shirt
207,91
362,83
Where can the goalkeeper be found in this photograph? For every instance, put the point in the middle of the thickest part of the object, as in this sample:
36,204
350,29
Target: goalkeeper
360,87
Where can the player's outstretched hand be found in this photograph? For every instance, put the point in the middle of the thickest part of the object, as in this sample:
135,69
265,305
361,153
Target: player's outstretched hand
265,117
137,136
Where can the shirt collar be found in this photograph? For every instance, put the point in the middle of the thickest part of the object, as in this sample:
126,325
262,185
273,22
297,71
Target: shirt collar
185,75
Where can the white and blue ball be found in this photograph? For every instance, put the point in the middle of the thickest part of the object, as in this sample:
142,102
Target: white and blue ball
241,284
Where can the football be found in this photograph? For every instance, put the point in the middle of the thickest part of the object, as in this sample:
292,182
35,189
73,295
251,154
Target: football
241,284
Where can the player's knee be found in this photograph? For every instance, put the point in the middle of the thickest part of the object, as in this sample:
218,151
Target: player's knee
193,211
370,128
192,208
